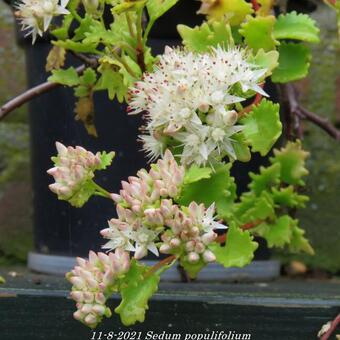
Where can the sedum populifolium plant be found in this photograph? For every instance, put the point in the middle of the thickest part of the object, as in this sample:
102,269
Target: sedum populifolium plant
205,106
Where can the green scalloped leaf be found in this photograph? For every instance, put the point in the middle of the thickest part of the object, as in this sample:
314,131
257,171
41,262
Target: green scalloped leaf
136,290
268,177
298,242
296,26
219,188
265,60
238,250
62,32
262,126
294,61
258,33
292,160
67,77
106,159
241,148
289,198
111,81
195,173
277,234
75,46
253,208
86,190
202,38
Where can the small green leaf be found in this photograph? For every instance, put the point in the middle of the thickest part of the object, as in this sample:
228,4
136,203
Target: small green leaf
84,27
292,160
298,242
156,8
112,81
296,26
253,208
294,61
277,234
241,148
136,289
195,173
89,77
68,77
238,250
2,280
262,126
258,33
289,198
106,159
268,177
80,47
62,32
203,38
81,196
266,60
192,269
219,188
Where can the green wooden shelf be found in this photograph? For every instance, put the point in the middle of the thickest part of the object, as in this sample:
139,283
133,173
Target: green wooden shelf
34,307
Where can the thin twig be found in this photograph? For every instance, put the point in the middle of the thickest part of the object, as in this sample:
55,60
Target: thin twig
30,94
89,61
296,109
333,327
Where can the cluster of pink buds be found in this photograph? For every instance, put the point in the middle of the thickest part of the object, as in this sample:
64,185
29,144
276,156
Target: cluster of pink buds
163,180
142,207
73,166
192,229
93,281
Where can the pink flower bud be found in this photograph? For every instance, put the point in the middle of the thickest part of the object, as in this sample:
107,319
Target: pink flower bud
99,309
91,319
175,242
62,150
100,298
86,309
77,282
165,248
78,315
193,257
77,296
209,256
115,197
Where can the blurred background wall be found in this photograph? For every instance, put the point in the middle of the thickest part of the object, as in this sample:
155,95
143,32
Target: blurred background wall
15,191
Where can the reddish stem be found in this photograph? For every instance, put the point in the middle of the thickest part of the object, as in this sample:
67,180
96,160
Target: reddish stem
333,327
250,107
255,4
160,264
247,226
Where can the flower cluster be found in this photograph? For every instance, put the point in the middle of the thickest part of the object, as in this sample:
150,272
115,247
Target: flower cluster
73,167
189,101
93,281
36,15
138,206
191,231
146,213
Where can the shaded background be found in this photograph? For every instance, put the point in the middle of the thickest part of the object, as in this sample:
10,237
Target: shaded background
320,93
